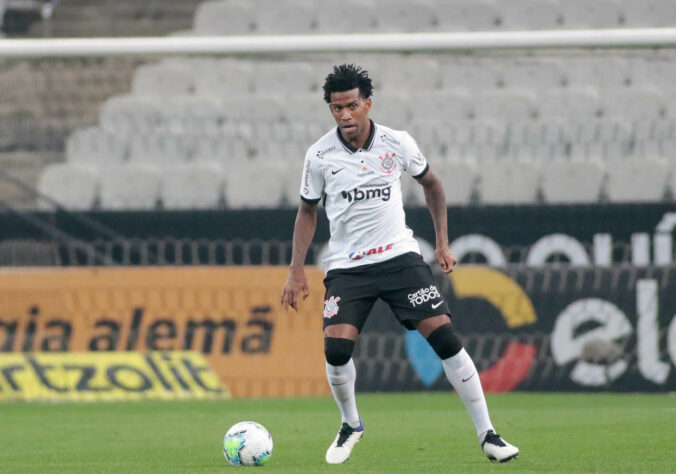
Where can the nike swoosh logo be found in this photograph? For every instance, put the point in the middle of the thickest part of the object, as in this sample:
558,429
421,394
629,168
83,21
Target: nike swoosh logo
436,305
465,380
337,171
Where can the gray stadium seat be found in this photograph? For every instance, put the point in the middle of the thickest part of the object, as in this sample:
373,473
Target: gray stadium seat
256,184
284,18
459,178
529,14
468,15
391,109
95,145
222,78
508,181
508,105
411,192
469,75
637,180
572,181
124,115
161,148
284,78
585,14
330,17
192,114
225,17
197,185
650,13
405,16
449,105
132,186
531,74
74,186
634,103
572,103
411,74
163,79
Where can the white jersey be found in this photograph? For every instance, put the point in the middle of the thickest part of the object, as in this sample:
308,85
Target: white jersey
362,194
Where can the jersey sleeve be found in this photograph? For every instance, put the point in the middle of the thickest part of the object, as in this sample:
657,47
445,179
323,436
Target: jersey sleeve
414,161
312,184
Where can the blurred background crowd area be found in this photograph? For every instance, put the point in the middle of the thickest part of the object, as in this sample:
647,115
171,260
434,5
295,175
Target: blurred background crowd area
501,127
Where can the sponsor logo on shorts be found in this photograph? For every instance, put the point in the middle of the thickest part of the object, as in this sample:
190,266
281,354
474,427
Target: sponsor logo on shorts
331,306
423,295
374,251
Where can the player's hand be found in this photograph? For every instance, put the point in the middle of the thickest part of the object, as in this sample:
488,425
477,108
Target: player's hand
295,287
446,259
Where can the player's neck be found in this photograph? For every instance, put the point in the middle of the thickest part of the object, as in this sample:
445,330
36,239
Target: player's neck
360,141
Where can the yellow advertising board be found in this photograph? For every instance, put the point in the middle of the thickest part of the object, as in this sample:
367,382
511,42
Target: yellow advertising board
230,315
86,376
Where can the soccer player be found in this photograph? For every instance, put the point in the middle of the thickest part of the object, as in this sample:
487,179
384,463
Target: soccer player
356,168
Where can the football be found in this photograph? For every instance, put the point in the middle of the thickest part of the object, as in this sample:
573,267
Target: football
247,443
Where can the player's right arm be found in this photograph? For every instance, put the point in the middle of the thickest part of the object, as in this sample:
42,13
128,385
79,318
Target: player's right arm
312,185
303,231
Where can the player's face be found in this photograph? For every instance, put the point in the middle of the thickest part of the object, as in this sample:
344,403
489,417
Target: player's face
351,112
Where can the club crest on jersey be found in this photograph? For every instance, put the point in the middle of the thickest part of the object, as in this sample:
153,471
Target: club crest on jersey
331,306
374,251
387,164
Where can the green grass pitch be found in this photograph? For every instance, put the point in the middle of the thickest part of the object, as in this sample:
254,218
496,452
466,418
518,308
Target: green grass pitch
408,433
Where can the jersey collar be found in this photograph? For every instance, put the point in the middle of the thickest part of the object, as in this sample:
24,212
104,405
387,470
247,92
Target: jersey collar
367,145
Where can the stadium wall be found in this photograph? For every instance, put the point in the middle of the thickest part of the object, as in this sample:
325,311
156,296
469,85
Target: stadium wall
551,329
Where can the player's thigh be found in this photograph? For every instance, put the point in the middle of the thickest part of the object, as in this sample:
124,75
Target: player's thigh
414,297
347,303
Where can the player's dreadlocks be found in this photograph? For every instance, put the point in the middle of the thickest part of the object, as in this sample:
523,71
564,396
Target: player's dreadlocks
347,77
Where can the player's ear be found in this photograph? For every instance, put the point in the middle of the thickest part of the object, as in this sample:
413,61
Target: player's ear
368,103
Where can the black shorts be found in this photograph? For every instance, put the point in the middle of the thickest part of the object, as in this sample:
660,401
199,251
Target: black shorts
405,283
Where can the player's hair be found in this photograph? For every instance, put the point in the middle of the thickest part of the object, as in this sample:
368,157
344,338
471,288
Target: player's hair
347,77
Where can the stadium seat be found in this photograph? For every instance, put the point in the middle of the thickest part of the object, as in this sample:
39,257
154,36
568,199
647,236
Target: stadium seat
164,79
223,78
405,16
161,148
529,14
650,13
284,77
468,15
190,114
531,74
635,180
411,75
331,19
508,105
583,14
124,115
130,186
391,109
472,76
571,103
459,178
197,185
508,181
411,192
225,17
94,145
449,105
257,183
74,186
284,18
572,181
634,104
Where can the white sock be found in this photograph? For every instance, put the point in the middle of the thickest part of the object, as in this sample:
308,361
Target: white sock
341,380
462,374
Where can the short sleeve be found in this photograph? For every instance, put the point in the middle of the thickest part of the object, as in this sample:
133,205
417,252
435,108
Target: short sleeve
414,161
312,184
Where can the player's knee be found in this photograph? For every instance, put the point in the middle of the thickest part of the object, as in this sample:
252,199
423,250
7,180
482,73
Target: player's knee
338,350
444,341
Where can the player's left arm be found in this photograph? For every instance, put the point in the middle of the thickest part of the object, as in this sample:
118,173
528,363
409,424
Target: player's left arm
436,203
